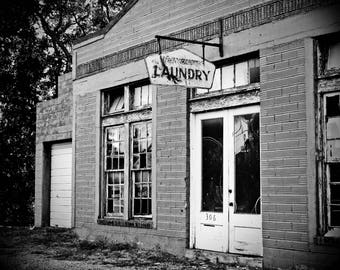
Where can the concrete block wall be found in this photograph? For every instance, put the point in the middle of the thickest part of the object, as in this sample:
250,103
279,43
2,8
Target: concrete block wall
284,153
53,124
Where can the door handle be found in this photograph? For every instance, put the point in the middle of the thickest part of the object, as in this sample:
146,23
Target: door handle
230,190
231,204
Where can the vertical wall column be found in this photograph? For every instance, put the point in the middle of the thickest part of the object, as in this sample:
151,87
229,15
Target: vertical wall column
172,161
284,153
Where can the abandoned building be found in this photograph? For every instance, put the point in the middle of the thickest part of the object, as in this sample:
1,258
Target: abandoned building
204,128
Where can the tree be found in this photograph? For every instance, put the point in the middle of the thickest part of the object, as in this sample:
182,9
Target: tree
35,48
63,21
22,63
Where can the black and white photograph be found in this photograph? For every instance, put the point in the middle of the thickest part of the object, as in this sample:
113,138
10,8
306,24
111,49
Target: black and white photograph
170,134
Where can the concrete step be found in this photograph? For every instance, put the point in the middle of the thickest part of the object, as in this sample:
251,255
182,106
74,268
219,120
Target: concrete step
225,258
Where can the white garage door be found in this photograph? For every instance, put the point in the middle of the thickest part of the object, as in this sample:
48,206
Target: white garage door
61,185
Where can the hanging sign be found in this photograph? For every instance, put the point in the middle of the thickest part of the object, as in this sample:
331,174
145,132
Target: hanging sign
180,67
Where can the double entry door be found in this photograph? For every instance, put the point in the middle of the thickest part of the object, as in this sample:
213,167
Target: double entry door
225,200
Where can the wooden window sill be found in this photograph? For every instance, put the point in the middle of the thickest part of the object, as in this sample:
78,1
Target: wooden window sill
135,223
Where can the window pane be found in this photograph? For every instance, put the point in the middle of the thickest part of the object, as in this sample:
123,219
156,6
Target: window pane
241,73
114,100
334,56
333,106
108,163
333,128
135,162
334,170
145,95
217,81
247,163
142,161
335,215
335,194
110,178
142,96
228,77
254,70
136,176
136,97
116,178
212,165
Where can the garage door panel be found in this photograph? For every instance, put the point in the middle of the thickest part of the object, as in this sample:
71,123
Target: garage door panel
60,194
61,172
61,202
61,185
62,162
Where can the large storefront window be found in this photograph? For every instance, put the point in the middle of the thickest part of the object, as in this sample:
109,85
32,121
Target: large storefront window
127,153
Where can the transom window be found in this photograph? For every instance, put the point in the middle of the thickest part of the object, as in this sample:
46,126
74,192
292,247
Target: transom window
234,75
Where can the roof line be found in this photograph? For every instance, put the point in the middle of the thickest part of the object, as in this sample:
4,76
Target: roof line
107,28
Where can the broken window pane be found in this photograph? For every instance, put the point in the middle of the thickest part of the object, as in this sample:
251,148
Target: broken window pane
212,165
247,163
217,81
114,100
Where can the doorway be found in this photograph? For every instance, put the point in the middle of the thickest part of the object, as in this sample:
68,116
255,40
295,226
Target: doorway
225,181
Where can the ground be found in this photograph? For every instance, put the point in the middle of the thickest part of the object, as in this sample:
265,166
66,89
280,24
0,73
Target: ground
52,248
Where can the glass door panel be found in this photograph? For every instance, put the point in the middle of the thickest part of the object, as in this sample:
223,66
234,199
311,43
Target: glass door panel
212,165
247,163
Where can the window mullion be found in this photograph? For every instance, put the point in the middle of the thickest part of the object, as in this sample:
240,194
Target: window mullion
127,205
126,98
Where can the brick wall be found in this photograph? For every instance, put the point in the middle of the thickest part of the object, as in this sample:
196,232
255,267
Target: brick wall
54,123
172,156
85,153
283,149
172,171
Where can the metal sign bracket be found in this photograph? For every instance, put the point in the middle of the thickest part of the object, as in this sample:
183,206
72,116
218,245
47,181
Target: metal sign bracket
218,45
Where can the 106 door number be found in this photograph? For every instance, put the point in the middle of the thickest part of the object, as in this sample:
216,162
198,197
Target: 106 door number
210,217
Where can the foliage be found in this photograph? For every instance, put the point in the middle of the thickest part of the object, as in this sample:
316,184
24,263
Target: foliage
35,48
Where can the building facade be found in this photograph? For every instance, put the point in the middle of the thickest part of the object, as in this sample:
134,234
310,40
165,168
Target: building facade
249,168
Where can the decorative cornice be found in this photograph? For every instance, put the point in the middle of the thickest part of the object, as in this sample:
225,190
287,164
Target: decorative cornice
235,22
